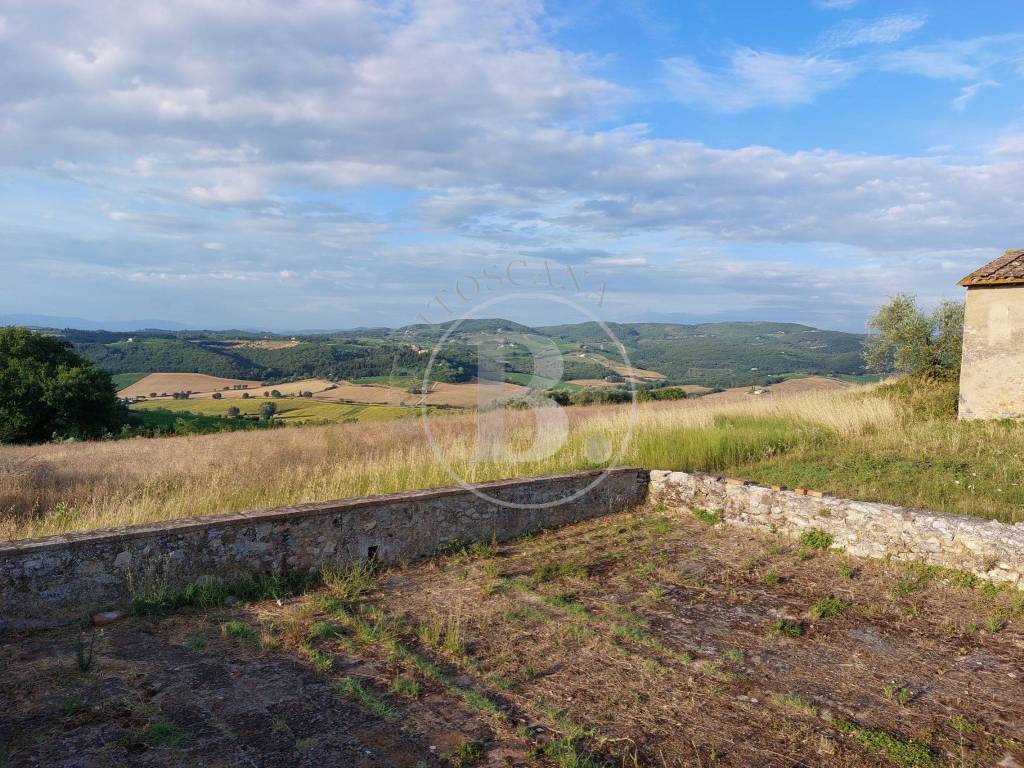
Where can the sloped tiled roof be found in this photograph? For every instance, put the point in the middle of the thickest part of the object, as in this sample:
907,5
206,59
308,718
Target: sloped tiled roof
1007,269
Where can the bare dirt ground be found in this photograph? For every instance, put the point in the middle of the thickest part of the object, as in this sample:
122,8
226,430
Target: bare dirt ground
653,638
181,382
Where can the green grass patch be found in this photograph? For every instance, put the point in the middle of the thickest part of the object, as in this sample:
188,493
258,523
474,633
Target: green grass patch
815,538
125,380
355,690
828,607
905,753
164,733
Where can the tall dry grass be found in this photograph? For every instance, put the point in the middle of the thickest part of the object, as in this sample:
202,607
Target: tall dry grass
56,488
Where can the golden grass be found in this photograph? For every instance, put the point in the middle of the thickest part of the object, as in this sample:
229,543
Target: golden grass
54,488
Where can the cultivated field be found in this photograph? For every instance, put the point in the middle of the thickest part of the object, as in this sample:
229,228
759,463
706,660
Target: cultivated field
652,638
294,410
288,388
170,383
462,395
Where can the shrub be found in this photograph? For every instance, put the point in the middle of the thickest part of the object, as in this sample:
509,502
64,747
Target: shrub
217,395
815,538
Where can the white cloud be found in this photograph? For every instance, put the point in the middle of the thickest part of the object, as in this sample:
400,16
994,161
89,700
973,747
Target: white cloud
754,79
968,92
1010,144
836,5
886,30
214,246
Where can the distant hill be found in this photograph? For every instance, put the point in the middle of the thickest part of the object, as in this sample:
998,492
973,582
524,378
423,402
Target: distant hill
726,354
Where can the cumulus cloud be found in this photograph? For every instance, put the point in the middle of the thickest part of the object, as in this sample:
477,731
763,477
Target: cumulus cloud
754,79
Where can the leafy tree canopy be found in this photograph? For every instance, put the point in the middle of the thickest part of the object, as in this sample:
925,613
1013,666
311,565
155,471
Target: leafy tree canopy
909,340
46,391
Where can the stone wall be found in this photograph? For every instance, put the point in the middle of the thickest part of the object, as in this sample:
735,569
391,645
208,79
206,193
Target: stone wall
60,579
992,373
989,549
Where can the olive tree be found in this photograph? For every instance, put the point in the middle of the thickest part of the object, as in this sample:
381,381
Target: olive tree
906,339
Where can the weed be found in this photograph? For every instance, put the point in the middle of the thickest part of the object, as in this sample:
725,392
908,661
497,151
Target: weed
164,733
660,507
352,581
196,642
557,569
785,628
847,571
406,686
899,693
467,754
815,538
359,693
238,630
707,516
771,578
659,525
994,624
905,753
828,607
321,661
84,655
803,554
72,705
962,725
734,655
794,702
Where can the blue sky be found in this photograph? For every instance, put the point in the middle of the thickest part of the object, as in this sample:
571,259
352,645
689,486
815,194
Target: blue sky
345,163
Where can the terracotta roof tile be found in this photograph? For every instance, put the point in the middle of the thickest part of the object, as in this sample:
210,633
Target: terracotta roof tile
1007,269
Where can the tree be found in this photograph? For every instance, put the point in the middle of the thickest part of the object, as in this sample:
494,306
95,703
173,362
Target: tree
234,412
908,340
47,390
217,395
267,411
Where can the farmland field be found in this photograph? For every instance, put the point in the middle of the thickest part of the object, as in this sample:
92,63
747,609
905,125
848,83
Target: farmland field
287,388
182,382
292,410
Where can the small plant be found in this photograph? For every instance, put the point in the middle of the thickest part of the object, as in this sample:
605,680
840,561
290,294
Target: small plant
771,578
164,733
815,538
846,571
905,753
467,754
196,642
406,686
660,525
72,705
794,702
707,516
785,628
828,607
351,582
321,661
994,624
899,693
238,630
84,655
356,691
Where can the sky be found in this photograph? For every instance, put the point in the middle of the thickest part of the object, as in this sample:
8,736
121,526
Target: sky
338,163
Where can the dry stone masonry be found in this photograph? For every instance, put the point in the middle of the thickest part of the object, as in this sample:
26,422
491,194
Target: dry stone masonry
988,549
60,579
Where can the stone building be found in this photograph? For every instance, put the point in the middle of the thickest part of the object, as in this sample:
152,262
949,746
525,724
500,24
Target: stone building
992,376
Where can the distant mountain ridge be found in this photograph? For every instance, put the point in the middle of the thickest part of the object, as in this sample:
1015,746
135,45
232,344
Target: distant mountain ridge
711,354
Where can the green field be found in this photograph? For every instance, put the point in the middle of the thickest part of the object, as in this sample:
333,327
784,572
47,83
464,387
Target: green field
291,410
125,380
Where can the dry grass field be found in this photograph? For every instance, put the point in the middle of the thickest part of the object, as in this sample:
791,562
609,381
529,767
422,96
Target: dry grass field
649,638
182,382
853,442
295,410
